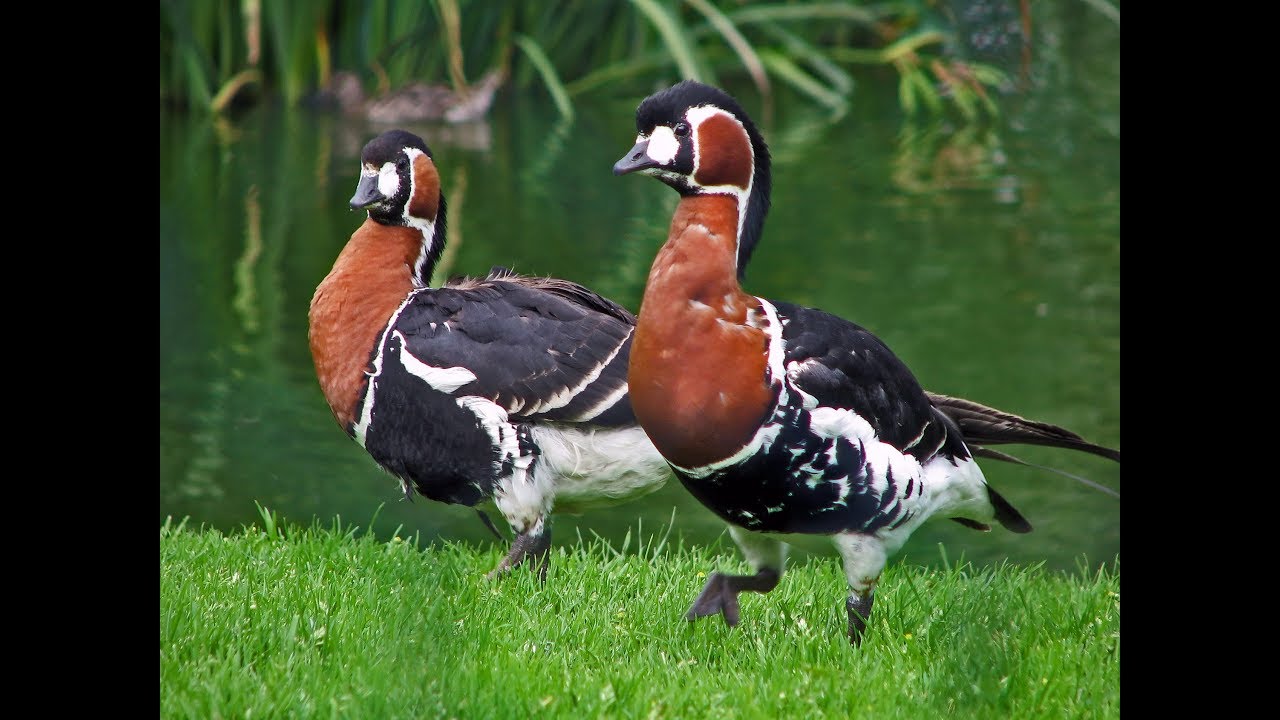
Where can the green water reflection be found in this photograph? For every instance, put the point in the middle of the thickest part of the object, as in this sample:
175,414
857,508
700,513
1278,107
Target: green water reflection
988,259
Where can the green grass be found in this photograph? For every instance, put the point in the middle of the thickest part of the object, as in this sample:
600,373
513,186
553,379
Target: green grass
330,622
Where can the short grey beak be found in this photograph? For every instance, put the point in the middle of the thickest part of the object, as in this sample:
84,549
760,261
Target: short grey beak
637,158
367,192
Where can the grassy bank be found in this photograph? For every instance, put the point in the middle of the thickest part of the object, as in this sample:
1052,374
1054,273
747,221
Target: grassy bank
329,622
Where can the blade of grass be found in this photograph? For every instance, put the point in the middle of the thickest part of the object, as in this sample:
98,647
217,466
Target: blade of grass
907,95
269,521
233,86
897,51
677,42
548,73
794,75
927,92
621,70
989,76
961,95
739,44
451,18
811,11
197,82
1108,10
801,49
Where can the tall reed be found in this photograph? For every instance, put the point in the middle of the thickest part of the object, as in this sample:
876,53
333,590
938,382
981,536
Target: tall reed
214,55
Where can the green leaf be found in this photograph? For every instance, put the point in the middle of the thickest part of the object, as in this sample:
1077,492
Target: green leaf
736,41
907,94
783,67
548,73
682,50
927,91
962,96
801,49
809,11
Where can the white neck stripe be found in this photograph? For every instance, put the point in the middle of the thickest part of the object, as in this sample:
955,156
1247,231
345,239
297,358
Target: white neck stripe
696,117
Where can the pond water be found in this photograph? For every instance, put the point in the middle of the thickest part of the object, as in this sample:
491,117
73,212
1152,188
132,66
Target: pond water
989,259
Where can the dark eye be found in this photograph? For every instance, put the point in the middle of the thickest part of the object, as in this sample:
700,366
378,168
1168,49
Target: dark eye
402,162
681,129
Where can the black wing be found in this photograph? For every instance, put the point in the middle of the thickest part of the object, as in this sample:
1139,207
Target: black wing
844,365
540,347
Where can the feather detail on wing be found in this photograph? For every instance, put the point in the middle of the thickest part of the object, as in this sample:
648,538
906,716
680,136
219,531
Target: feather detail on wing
843,365
539,347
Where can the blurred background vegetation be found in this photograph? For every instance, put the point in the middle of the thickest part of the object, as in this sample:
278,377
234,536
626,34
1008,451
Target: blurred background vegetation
948,57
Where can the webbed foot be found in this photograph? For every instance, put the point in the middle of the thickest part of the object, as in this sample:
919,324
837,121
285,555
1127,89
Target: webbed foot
531,547
720,594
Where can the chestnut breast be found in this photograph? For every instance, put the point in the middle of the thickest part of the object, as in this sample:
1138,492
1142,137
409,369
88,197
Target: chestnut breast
351,307
698,373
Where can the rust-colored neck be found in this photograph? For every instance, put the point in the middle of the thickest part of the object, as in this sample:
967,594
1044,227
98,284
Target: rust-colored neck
351,307
698,373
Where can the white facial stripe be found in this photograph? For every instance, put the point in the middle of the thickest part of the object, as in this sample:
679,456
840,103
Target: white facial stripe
388,180
696,116
426,227
663,145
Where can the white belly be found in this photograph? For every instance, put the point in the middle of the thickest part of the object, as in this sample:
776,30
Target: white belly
596,467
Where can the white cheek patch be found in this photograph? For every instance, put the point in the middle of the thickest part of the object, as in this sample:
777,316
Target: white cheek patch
663,145
388,180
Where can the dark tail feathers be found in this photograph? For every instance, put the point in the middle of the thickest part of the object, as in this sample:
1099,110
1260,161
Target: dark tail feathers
981,425
1006,514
